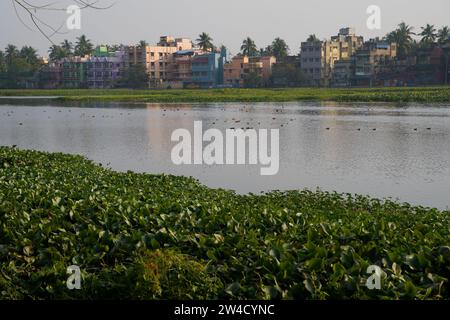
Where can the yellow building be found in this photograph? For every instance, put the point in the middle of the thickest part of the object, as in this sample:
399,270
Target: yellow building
239,67
156,58
318,58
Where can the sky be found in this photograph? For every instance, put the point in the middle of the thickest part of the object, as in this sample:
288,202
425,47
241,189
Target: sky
227,22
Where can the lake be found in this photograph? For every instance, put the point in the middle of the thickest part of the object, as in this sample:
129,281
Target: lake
381,150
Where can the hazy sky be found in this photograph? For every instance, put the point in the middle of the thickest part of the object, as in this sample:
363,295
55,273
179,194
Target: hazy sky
228,22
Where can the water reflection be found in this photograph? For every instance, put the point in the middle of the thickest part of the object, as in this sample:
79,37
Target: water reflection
402,151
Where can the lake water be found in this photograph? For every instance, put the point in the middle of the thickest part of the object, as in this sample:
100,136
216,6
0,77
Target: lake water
382,150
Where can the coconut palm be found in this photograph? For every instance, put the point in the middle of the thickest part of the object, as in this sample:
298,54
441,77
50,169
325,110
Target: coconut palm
249,48
443,34
402,36
204,42
29,54
279,48
67,46
11,53
312,38
428,34
2,62
83,46
56,53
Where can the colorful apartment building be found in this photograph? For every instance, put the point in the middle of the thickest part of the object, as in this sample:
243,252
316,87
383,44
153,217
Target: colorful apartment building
74,73
370,60
236,71
104,68
318,58
156,58
208,69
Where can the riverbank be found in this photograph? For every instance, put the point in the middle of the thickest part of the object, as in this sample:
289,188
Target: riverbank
416,94
143,236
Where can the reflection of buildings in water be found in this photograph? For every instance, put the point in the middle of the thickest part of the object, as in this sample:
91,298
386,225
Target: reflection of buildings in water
162,120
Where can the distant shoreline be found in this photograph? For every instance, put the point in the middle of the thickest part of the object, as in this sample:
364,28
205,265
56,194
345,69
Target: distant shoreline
377,94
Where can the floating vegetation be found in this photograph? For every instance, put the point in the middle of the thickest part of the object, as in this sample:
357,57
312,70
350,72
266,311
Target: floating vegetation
143,236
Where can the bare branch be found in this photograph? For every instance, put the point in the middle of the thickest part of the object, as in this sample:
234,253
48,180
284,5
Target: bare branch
33,9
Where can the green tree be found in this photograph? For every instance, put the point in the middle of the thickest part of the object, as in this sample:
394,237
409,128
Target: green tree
443,34
312,38
402,36
279,48
252,80
67,46
143,43
56,53
135,77
249,48
428,34
11,53
83,46
29,54
204,42
287,75
2,62
267,51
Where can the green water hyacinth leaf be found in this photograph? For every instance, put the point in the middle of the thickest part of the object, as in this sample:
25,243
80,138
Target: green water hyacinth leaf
143,236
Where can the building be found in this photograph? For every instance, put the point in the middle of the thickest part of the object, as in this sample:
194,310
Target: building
240,67
104,68
287,73
207,69
50,76
318,58
74,73
156,58
370,61
342,73
179,69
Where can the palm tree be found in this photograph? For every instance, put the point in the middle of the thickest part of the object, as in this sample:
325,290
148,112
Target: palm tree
443,34
279,48
56,53
204,42
11,53
67,46
29,54
83,46
249,48
402,36
2,62
312,38
143,43
428,34
268,51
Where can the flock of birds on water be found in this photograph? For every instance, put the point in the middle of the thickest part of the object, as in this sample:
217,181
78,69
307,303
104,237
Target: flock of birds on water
232,120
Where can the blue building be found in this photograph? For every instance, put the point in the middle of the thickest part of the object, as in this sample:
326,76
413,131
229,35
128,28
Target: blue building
207,69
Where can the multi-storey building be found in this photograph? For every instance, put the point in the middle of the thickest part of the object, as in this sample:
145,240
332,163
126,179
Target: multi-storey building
74,72
50,75
236,71
318,58
370,60
156,58
179,69
207,69
104,68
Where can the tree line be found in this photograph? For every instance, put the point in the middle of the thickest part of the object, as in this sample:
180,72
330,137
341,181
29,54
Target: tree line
17,64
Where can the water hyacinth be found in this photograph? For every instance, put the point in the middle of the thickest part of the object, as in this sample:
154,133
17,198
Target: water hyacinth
143,236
